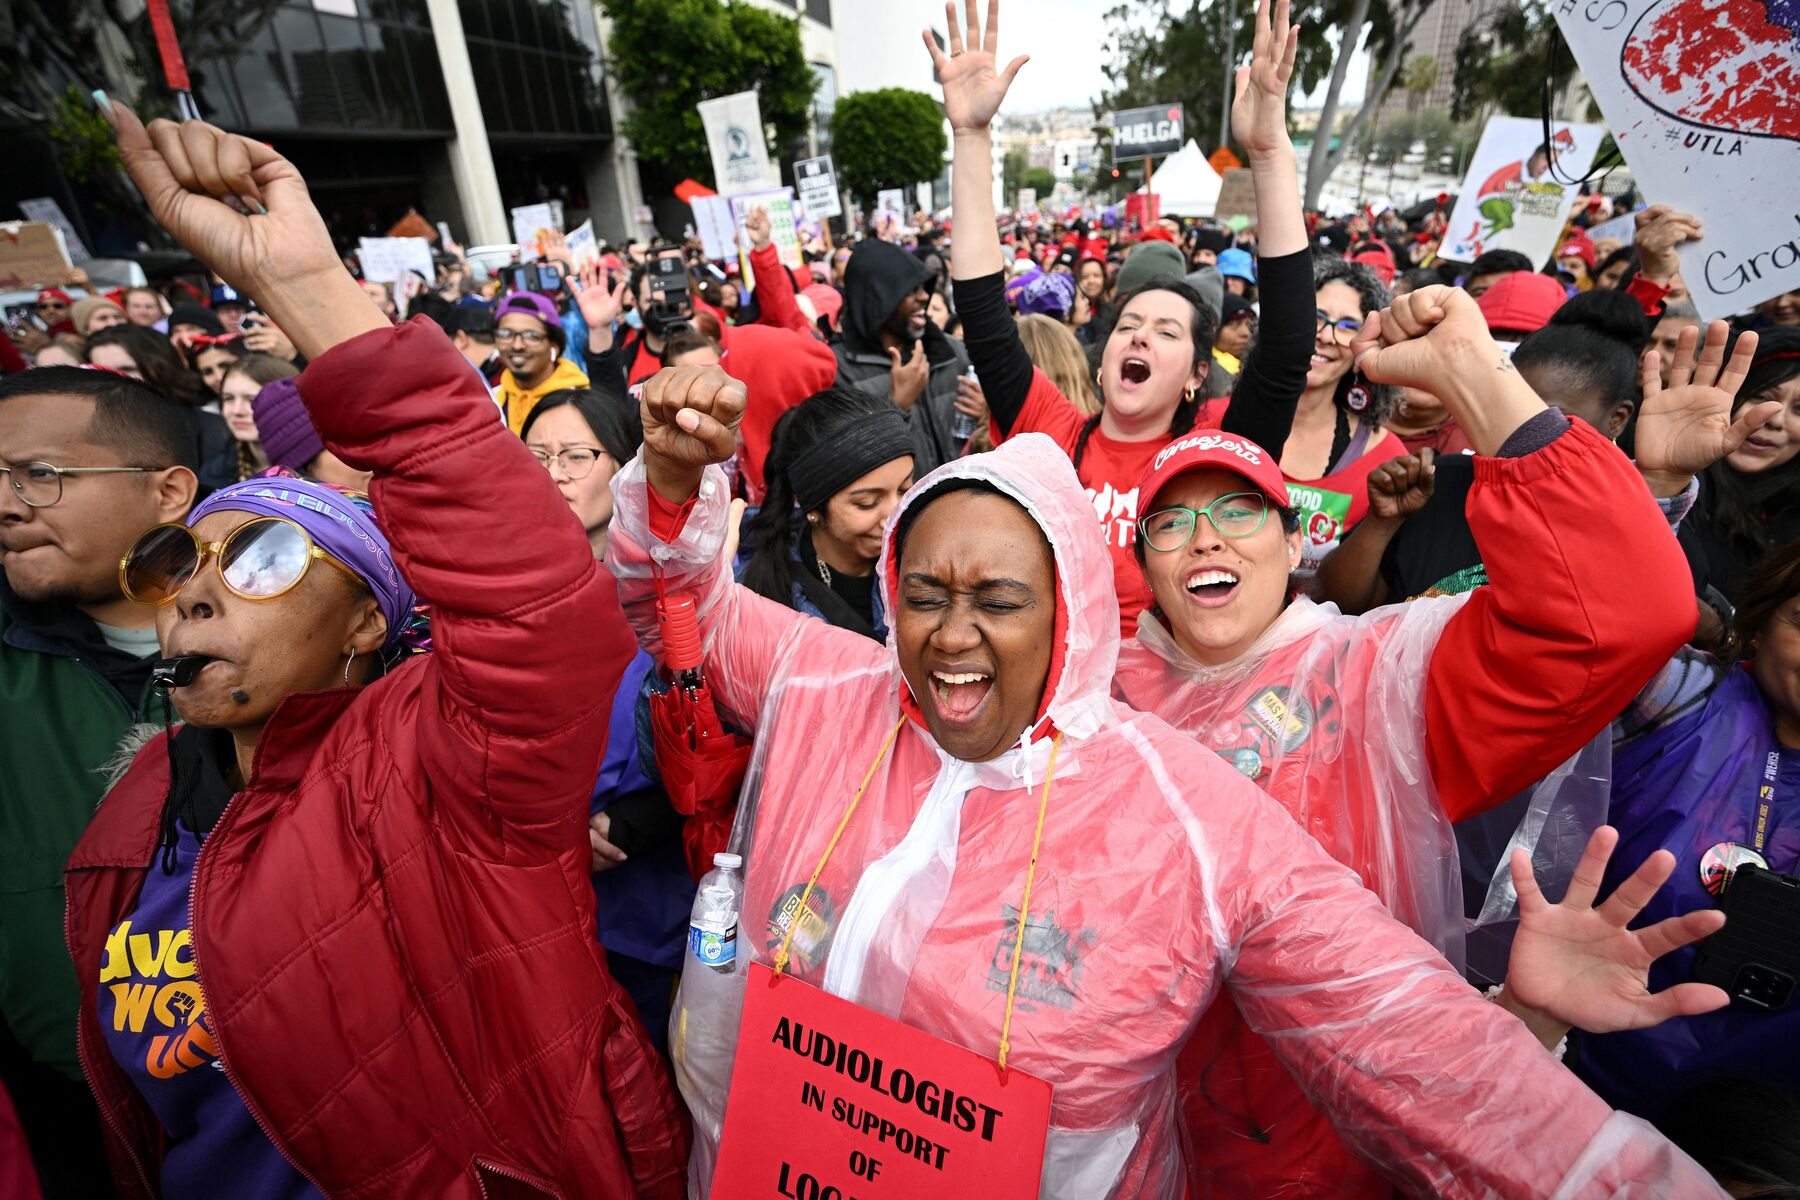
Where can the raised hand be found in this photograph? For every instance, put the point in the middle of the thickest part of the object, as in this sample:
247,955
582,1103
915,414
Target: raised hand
759,227
690,418
187,172
1259,107
600,304
1580,964
554,245
1657,231
1686,427
1413,341
1400,488
973,89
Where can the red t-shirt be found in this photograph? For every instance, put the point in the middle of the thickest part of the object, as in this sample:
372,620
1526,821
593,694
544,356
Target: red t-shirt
1109,473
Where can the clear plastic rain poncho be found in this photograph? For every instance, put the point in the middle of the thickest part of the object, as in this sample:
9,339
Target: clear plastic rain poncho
1150,894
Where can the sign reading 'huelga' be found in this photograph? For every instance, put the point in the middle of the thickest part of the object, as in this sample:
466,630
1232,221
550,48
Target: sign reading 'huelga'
1140,133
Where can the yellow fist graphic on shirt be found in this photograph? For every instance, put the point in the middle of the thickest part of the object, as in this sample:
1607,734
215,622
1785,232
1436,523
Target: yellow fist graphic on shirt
150,977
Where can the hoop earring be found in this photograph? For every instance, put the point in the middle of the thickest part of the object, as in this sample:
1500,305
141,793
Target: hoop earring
1190,395
347,663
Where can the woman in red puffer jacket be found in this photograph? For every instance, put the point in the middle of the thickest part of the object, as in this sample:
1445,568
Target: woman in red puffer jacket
386,943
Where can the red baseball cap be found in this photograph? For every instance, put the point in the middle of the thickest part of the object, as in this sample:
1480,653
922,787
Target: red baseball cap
56,294
1580,246
1213,448
1522,301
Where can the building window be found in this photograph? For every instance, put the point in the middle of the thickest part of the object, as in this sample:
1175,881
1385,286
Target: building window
820,11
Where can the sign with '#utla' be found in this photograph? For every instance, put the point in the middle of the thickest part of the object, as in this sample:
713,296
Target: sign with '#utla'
1153,132
1701,98
734,133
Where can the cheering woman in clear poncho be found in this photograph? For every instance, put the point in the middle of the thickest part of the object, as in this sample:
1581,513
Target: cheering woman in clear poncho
1375,733
980,749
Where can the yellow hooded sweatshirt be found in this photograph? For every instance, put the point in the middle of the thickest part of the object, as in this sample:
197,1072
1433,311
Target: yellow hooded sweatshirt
517,402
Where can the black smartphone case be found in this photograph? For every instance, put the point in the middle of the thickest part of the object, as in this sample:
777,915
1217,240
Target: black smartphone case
1756,957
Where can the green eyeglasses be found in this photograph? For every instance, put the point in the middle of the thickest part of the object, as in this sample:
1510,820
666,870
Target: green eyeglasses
1236,515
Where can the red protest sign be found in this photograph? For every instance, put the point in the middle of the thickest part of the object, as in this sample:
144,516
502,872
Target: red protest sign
830,1101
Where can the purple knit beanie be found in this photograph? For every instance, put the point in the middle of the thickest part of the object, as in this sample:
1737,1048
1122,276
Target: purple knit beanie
286,432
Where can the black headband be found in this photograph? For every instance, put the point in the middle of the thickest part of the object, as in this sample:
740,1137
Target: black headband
847,455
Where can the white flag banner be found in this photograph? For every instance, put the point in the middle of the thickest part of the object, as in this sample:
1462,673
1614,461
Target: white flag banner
1700,97
734,132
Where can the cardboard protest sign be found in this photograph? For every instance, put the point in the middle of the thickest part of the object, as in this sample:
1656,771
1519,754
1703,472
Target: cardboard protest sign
412,225
829,1099
1140,133
1702,99
816,182
734,133
47,210
32,255
385,260
1237,195
1516,195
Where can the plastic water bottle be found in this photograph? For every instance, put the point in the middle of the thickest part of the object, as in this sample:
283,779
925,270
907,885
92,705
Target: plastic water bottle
704,1021
962,426
713,926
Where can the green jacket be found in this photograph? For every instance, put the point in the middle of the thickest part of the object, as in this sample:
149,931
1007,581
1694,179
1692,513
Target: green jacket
62,716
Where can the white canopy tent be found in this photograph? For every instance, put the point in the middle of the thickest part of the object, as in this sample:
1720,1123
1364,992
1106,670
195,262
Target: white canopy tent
1186,185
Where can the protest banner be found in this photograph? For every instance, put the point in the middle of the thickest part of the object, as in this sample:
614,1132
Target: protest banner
32,255
584,248
47,210
816,181
1517,194
1237,195
713,222
780,204
385,260
1140,133
1619,229
528,220
826,1095
734,133
1701,98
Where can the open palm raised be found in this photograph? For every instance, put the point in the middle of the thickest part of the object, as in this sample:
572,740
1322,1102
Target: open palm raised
973,89
1686,427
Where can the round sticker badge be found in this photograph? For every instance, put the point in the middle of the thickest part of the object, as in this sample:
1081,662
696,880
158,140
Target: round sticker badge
1717,864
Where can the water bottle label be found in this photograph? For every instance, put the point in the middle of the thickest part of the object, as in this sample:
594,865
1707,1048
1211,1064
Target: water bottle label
713,947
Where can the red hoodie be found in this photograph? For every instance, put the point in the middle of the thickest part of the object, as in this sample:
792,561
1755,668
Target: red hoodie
780,360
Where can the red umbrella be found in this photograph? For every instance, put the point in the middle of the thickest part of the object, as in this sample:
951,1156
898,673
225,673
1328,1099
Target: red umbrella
701,763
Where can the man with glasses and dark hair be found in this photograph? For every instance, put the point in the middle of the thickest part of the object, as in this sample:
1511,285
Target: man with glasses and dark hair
88,461
530,338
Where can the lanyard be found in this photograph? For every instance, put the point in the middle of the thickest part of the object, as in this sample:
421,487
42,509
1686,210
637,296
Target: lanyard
1765,800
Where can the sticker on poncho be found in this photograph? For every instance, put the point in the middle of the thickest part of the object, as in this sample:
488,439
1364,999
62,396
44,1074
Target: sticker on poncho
813,938
1248,762
830,1101
1717,864
1283,715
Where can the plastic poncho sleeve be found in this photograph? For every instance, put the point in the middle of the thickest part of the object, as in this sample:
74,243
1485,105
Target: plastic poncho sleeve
1444,1091
508,733
1589,597
748,637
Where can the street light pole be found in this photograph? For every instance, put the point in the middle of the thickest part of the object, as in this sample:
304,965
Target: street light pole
1230,72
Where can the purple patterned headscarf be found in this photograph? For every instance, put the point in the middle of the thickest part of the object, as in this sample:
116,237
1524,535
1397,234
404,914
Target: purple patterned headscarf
337,526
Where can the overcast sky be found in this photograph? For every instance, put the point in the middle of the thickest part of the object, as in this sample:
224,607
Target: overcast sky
1064,39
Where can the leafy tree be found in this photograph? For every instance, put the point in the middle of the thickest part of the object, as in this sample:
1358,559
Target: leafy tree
1503,60
668,55
1012,169
1417,78
1040,180
888,138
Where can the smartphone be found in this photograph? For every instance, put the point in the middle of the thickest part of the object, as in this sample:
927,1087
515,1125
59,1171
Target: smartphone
1756,957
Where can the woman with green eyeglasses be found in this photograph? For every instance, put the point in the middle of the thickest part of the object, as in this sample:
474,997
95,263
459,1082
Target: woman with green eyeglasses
1377,732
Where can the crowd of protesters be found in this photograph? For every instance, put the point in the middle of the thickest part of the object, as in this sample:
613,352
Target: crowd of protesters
381,667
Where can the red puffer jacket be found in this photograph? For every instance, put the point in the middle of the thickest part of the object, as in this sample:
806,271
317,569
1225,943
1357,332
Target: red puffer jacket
392,922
